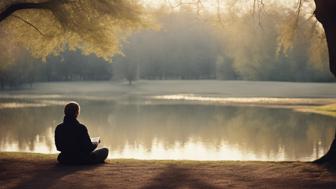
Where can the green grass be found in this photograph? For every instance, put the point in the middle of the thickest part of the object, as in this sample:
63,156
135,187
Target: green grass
328,110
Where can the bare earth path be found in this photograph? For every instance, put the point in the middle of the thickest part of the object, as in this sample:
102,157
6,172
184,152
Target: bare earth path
26,170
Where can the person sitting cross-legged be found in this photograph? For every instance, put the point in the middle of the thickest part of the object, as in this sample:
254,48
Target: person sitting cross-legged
73,141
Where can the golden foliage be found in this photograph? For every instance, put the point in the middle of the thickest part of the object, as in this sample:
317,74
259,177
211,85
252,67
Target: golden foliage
8,51
96,27
287,31
318,52
292,27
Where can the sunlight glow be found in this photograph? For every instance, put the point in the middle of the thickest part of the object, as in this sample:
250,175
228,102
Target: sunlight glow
246,100
40,144
41,103
191,150
211,5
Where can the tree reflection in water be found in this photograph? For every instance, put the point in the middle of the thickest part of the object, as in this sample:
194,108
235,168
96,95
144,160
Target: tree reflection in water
177,131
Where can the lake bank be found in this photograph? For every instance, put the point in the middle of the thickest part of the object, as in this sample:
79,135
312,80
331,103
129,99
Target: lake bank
29,170
170,87
317,98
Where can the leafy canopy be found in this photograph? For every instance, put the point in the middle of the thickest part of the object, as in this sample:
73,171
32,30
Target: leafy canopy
97,26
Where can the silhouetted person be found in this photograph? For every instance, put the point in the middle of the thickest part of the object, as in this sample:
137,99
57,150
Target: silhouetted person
73,141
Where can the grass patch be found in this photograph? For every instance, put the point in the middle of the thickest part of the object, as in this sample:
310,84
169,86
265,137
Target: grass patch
328,110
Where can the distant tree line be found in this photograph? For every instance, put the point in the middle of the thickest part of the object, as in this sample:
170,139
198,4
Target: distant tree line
22,71
72,66
243,48
68,66
187,47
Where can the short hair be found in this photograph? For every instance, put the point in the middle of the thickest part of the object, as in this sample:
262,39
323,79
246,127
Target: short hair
72,109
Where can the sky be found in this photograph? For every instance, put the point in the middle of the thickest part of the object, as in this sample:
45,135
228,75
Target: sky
247,5
213,3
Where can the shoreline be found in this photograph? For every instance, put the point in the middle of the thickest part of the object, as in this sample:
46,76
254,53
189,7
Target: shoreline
31,170
308,97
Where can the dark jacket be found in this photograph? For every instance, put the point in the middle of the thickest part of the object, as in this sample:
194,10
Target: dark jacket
72,138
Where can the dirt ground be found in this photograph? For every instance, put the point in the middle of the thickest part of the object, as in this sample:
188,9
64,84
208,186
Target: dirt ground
28,170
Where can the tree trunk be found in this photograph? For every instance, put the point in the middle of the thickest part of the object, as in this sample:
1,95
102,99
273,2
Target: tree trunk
330,156
330,31
326,15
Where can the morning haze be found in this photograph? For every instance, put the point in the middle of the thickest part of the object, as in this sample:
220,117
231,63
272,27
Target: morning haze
167,94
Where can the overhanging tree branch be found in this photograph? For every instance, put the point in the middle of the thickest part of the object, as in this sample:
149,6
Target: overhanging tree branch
27,22
20,6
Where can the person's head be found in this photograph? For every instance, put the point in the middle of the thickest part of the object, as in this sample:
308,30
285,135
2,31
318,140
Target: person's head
72,109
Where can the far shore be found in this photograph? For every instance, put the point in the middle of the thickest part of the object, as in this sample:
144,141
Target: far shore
317,98
213,88
31,170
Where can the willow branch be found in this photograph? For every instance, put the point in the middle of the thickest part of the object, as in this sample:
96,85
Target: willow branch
29,23
20,6
298,13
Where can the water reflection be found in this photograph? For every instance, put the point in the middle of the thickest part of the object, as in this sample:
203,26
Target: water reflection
247,100
177,131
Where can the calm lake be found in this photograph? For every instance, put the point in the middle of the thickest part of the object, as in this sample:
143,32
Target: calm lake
152,128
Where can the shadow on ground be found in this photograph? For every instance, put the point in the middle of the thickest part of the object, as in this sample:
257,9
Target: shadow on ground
175,177
53,175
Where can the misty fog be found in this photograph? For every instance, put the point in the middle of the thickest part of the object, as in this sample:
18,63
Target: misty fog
188,46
